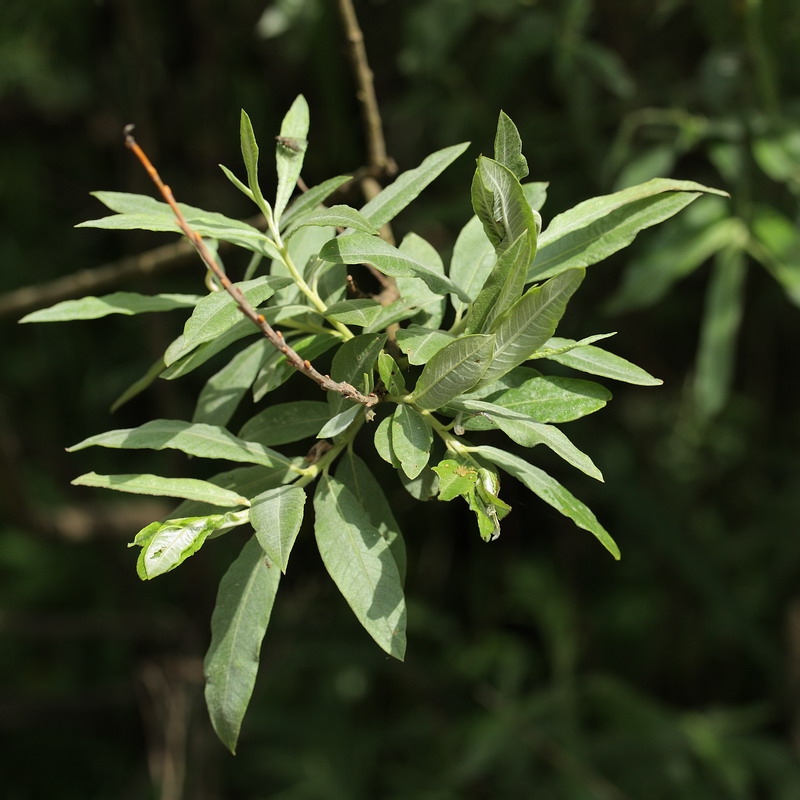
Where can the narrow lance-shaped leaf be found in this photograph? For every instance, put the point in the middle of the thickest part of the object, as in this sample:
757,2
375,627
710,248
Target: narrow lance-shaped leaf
217,312
421,344
336,217
247,140
244,605
597,361
390,374
188,488
363,485
414,290
128,303
508,147
455,369
472,261
309,200
596,228
360,248
528,432
195,439
551,491
500,203
340,422
530,322
361,564
550,350
411,440
286,422
290,152
276,516
503,287
223,391
408,185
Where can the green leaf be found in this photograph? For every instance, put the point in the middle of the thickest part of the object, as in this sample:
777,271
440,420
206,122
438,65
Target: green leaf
286,422
415,291
336,217
502,288
383,442
217,312
303,248
596,228
166,545
472,261
776,245
501,206
421,488
597,361
311,199
194,439
455,369
359,312
247,139
721,320
355,357
530,322
546,398
141,212
276,516
527,432
245,481
277,370
236,182
551,491
361,564
508,147
289,160
391,375
354,474
188,488
340,422
223,391
456,478
244,605
421,344
536,194
412,439
128,303
547,351
396,196
360,248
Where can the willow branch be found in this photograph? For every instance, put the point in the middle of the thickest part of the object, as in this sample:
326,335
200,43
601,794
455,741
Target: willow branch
274,337
373,127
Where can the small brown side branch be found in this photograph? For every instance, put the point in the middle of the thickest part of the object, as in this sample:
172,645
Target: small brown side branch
275,337
376,144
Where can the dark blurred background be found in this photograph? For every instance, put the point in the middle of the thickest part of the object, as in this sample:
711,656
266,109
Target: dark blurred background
537,666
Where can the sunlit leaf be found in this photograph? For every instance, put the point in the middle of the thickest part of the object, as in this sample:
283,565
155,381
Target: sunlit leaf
276,516
128,303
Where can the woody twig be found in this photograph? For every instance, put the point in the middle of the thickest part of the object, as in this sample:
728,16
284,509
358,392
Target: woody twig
274,337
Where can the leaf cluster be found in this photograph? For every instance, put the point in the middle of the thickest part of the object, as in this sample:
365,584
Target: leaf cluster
448,360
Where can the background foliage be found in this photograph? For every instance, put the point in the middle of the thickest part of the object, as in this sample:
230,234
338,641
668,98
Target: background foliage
534,662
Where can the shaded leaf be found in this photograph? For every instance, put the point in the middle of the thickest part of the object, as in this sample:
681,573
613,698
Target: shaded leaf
311,199
551,491
286,422
276,516
336,217
128,303
414,291
223,391
411,440
361,564
355,357
472,261
391,375
360,480
244,605
383,442
195,439
187,488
